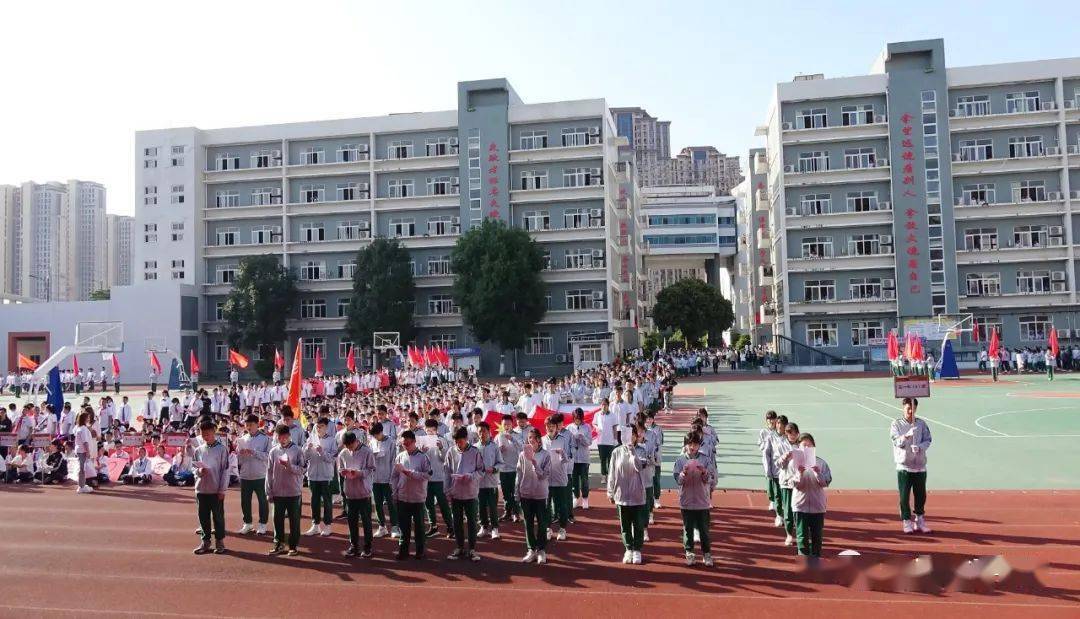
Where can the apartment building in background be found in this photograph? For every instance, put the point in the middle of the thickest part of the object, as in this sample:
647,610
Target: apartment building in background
686,232
313,193
118,239
919,190
753,297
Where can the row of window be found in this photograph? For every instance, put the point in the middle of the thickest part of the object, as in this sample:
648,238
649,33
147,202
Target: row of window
859,289
573,136
176,158
985,239
982,149
855,201
573,218
870,244
571,177
1015,103
150,270
150,232
1033,328
861,157
1027,282
850,115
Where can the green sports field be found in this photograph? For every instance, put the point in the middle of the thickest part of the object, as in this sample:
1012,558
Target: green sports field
1020,433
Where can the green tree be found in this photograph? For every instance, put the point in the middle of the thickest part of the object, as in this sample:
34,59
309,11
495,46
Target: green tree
259,305
103,294
383,290
497,283
693,307
740,342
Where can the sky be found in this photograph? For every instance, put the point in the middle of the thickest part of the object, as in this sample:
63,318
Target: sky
82,77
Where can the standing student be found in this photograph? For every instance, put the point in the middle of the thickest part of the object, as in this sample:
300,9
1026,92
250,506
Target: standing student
606,439
911,438
385,451
782,453
211,463
1050,360
626,490
409,479
533,470
253,454
466,467
695,479
580,439
357,466
658,441
436,494
766,440
510,446
558,446
284,480
808,500
488,495
85,447
320,453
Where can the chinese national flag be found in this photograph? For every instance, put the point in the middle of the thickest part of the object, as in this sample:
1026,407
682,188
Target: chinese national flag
235,358
194,363
279,361
75,364
1054,342
115,365
429,358
975,331
154,363
995,345
350,361
294,381
26,363
318,360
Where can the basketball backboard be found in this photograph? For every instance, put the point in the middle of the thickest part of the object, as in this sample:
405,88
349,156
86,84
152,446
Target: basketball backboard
386,340
103,337
156,344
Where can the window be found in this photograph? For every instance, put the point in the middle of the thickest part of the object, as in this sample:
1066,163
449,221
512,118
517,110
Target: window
442,186
399,149
219,310
261,235
149,163
265,196
540,343
150,195
578,259
266,158
346,192
312,233
445,340
533,179
1026,146
862,201
1035,327
983,284
531,140
177,196
863,331
177,231
438,265
865,288
312,156
536,220
178,269
814,161
973,105
311,193
856,158
226,236
342,312
400,188
150,233
441,304
228,161
1029,236
438,147
978,193
441,225
312,308
1029,191
226,274
1019,102
352,152
352,230
346,269
225,199
150,264
815,204
312,270
312,346
819,290
817,247
1032,282
582,177
221,350
575,218
579,299
177,159
980,239
821,334
150,152
976,150
402,227
813,118
864,245
857,114
580,136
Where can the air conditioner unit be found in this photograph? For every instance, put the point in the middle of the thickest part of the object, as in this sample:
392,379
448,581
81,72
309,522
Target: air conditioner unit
882,163
1064,333
1058,287
276,156
276,192
885,205
1053,195
1056,241
1057,276
598,254
957,157
888,295
362,148
562,359
790,169
453,142
1056,230
364,225
787,126
596,213
1048,105
597,295
792,211
888,284
880,118
886,239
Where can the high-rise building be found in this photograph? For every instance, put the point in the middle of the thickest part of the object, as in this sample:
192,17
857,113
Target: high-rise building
10,207
87,203
752,299
313,193
118,239
703,165
919,191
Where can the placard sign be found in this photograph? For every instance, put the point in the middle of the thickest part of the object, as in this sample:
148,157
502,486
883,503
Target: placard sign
7,439
40,441
911,387
175,439
133,439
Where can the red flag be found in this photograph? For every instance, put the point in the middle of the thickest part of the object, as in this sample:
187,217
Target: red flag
350,361
1054,342
115,365
194,362
154,363
444,356
429,359
295,379
74,364
235,358
975,338
279,361
893,346
995,344
318,361
26,363
917,349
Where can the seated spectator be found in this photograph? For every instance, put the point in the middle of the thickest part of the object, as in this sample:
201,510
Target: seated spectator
180,474
140,471
20,466
55,469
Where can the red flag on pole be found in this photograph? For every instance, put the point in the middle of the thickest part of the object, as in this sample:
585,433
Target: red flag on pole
975,332
194,362
893,346
74,364
1054,342
350,361
995,344
154,363
318,361
444,356
295,379
115,365
26,363
279,361
917,349
235,358
429,359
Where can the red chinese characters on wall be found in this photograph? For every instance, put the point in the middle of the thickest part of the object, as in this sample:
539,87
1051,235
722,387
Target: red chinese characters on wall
493,180
907,181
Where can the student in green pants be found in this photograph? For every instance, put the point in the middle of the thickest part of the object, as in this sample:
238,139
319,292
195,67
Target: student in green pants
808,500
321,452
385,449
488,496
409,479
559,447
782,454
533,470
695,478
627,491
911,439
253,452
510,443
581,438
466,468
284,481
606,423
436,495
356,464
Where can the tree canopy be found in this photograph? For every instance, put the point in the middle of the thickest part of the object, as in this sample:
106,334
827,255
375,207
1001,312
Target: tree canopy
259,305
693,307
383,289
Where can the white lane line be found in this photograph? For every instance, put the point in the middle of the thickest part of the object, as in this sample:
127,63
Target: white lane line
816,388
978,421
887,405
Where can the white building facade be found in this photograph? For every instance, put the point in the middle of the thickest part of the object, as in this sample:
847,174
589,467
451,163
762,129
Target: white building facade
118,243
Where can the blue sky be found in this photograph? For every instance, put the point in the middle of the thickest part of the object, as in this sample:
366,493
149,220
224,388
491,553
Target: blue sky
108,69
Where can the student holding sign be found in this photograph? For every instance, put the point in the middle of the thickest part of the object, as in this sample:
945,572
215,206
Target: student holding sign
810,478
911,438
782,452
284,480
356,464
695,477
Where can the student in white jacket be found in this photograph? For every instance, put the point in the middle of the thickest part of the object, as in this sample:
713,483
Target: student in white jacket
808,500
627,491
911,439
696,478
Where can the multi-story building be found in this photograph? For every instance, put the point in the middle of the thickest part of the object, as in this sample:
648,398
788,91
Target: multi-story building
702,165
314,193
686,232
87,204
650,139
920,190
753,299
118,241
10,215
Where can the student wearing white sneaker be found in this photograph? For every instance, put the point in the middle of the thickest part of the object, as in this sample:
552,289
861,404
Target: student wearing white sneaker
488,495
465,468
695,478
510,443
557,444
85,447
533,470
783,457
646,449
253,454
808,500
581,437
627,491
911,438
385,450
320,453
658,441
766,441
607,424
